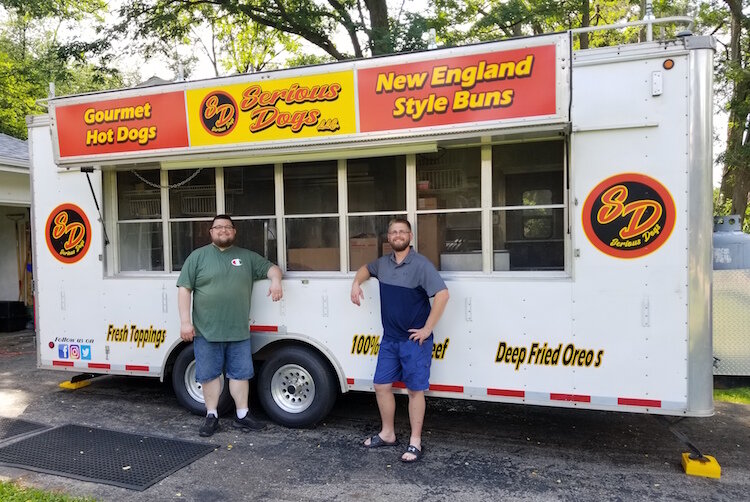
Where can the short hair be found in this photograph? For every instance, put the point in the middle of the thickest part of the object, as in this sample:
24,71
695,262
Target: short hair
222,217
399,220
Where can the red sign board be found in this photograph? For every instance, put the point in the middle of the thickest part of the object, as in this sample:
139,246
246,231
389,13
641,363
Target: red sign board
141,123
481,87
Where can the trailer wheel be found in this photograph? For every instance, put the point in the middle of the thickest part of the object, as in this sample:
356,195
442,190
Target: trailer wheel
296,387
189,392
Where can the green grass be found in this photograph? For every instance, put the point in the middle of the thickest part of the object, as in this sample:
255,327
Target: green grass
10,492
740,395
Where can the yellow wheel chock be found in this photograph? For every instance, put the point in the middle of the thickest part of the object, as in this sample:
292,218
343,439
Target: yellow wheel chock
704,465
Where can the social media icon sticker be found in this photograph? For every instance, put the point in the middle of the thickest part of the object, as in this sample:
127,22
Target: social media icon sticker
75,352
86,352
62,351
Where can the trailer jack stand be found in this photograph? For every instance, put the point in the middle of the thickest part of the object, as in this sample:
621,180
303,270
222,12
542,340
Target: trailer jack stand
694,462
78,381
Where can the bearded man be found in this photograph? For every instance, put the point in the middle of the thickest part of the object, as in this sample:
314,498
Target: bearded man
407,282
219,278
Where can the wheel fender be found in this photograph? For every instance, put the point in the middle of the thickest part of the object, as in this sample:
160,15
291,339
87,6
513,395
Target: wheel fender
261,339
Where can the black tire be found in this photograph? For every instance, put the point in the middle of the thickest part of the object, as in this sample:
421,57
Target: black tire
188,392
296,387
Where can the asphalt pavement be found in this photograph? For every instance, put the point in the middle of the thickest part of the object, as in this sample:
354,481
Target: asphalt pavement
473,451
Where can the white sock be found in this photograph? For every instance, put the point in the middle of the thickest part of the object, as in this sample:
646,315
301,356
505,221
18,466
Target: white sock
242,412
212,412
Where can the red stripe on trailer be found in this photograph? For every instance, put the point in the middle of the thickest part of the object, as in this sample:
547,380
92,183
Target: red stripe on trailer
132,367
62,363
350,381
628,401
570,397
506,393
447,388
260,327
100,366
399,385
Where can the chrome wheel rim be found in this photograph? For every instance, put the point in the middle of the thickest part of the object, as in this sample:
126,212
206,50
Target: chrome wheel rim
193,388
292,388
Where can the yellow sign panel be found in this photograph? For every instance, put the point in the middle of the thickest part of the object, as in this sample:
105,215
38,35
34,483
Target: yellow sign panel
292,108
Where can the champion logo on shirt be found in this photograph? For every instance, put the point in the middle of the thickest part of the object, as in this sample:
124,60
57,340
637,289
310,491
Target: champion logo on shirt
237,262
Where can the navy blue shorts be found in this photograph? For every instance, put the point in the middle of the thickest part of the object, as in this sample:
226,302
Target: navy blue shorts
404,361
235,359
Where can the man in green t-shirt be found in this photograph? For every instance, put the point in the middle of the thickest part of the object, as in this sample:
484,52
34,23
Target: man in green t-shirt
219,277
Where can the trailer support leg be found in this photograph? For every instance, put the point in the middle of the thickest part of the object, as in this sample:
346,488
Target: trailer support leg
78,381
694,463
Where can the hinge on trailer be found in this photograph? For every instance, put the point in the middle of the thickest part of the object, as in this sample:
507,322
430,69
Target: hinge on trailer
325,304
467,308
164,303
62,299
645,313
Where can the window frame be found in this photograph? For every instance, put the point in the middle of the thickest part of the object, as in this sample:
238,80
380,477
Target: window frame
486,211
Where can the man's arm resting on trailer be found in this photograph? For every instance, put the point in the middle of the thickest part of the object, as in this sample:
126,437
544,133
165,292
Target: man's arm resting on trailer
275,291
361,276
187,332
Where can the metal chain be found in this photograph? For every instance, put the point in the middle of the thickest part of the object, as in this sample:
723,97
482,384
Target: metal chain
174,185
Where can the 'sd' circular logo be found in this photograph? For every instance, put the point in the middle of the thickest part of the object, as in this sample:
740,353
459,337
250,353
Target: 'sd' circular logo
628,216
218,113
68,233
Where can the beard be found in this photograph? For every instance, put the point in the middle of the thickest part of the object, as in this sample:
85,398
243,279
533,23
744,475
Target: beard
223,241
400,246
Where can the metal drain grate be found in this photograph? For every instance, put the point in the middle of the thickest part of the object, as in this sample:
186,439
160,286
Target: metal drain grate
103,456
10,427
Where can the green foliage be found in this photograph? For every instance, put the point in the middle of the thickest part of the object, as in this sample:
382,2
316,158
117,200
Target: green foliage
10,492
499,19
738,395
369,27
33,54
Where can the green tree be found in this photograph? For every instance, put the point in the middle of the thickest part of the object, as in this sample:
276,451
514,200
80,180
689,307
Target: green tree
369,27
34,53
733,83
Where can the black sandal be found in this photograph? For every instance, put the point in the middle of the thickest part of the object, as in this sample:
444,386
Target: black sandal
377,442
414,451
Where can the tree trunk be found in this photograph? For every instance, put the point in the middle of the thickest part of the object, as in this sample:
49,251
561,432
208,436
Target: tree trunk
735,181
380,30
585,23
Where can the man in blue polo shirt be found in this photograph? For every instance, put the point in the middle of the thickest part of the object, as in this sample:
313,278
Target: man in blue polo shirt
407,282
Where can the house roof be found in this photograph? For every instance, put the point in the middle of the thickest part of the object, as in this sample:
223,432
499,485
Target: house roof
14,153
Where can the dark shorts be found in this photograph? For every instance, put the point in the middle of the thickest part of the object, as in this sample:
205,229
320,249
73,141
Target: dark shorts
234,359
404,361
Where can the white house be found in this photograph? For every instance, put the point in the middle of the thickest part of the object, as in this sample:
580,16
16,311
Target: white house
15,230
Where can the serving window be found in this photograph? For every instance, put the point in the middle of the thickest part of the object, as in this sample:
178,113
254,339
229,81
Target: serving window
479,209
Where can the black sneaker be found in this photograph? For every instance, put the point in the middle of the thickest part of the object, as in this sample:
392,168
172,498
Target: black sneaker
210,425
248,423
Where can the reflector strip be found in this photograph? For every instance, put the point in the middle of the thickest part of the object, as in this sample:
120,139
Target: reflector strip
627,401
62,363
399,385
260,327
447,388
570,397
506,393
101,366
131,367
350,381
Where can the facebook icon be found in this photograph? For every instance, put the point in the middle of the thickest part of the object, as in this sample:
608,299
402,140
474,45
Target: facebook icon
62,350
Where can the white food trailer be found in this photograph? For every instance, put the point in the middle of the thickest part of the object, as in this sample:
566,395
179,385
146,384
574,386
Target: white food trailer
565,197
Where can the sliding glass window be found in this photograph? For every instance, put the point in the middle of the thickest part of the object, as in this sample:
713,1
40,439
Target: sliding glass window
311,216
528,206
376,189
139,226
192,206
